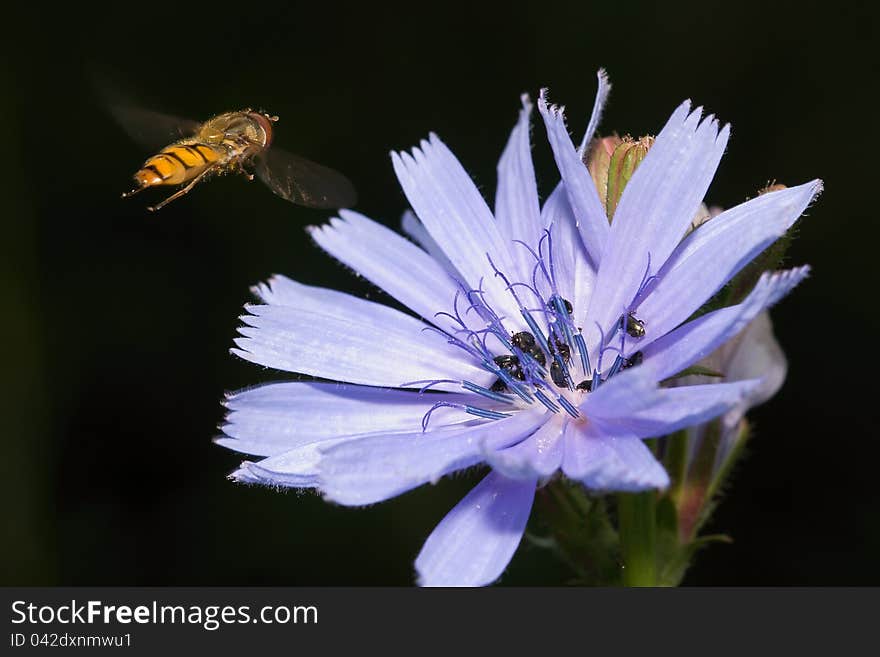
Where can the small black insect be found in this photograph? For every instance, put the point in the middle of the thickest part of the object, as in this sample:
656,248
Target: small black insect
634,326
510,364
586,385
557,372
558,375
632,361
563,350
525,342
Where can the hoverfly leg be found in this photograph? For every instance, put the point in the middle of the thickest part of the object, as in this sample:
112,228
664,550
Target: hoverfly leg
247,170
180,192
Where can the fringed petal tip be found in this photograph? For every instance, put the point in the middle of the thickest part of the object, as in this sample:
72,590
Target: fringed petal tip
240,349
546,107
243,474
817,186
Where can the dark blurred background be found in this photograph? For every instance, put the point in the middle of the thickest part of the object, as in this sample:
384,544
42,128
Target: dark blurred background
117,322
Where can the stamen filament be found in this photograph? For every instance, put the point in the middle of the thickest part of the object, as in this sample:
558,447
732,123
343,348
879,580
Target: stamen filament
429,382
582,350
470,410
551,406
485,392
568,406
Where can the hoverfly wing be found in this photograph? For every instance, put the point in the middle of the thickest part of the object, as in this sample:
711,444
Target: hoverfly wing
152,130
304,182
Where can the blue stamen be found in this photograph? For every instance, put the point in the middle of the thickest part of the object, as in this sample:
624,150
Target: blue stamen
482,412
601,344
597,379
551,406
539,335
646,280
567,405
615,367
429,382
530,363
539,262
470,410
563,318
510,286
533,290
535,276
485,392
562,366
451,339
455,319
582,350
513,384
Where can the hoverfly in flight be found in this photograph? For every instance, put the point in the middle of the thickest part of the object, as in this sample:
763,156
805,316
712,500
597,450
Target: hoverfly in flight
233,142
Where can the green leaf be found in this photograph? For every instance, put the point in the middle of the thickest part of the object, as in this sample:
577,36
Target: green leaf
577,529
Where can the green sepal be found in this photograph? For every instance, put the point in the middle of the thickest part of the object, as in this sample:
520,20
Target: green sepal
624,161
695,370
598,160
577,529
679,560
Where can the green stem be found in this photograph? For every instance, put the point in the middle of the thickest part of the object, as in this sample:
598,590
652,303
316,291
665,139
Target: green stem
637,519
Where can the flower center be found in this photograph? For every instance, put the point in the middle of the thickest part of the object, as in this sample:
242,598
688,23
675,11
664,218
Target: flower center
546,363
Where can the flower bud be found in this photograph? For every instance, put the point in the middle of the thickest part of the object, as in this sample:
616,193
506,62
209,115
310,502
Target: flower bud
771,187
612,162
598,160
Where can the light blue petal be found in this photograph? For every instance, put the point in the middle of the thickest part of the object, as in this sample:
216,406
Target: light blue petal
294,468
716,251
474,543
756,355
539,455
456,216
655,209
582,195
516,201
695,340
602,90
392,263
569,264
276,417
629,392
610,462
417,232
336,336
675,408
373,469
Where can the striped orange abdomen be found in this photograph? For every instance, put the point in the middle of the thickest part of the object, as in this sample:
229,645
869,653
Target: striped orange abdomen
176,164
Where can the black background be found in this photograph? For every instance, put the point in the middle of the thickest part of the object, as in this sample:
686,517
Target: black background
117,322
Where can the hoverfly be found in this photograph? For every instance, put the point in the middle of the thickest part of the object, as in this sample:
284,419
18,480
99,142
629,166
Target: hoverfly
233,142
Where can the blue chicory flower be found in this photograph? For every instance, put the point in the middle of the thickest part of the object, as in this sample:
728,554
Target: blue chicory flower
542,336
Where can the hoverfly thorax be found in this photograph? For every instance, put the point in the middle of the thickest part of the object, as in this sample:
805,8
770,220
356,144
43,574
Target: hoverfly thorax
245,133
